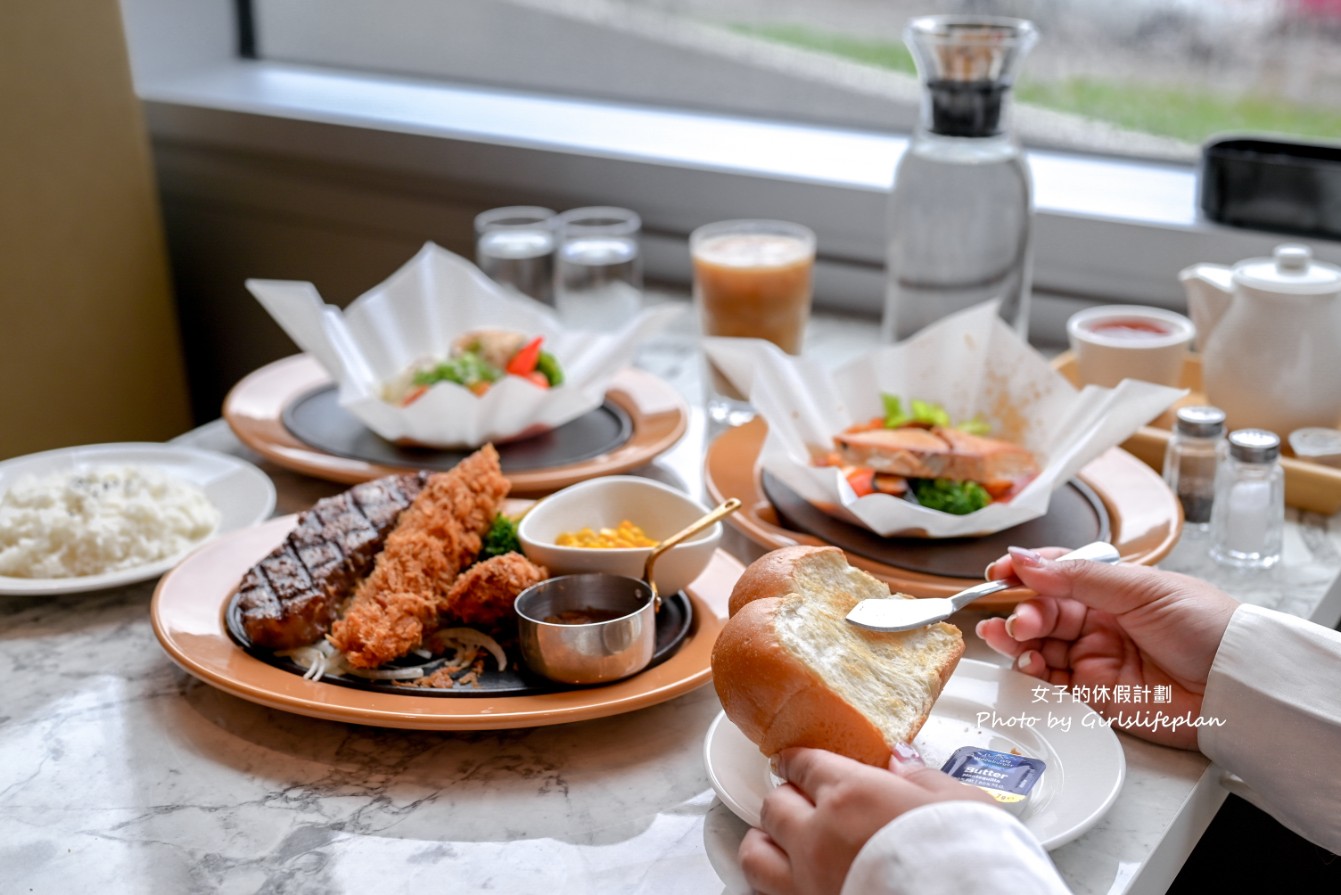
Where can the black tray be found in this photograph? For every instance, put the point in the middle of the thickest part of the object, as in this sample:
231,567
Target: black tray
1273,185
1076,516
318,420
674,620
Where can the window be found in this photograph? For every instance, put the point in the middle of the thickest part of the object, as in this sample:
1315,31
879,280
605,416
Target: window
529,97
1151,78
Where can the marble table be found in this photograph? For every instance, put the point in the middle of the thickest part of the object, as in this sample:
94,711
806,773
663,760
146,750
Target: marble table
120,771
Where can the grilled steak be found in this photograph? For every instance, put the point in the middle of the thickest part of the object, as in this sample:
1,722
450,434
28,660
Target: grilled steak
291,597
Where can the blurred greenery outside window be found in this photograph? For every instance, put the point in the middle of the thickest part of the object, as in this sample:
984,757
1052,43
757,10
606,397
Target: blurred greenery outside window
1151,78
1180,69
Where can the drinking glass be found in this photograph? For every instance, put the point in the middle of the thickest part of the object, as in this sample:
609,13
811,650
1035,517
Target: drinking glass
515,246
752,279
600,271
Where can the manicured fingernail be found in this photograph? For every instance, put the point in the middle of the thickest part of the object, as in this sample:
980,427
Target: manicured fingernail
977,629
987,572
1026,658
905,754
1010,626
1023,556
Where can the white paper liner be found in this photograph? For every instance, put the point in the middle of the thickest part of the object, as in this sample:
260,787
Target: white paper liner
415,314
972,364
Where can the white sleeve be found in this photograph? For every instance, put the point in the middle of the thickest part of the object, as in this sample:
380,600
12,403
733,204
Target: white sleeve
1272,716
962,847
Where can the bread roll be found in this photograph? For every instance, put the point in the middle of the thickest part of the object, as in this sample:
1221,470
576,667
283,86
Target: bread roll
791,671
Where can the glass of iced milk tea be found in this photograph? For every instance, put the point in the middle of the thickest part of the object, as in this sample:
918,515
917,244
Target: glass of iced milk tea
752,279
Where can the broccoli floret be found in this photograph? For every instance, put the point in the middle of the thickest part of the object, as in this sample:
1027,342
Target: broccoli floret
501,538
957,498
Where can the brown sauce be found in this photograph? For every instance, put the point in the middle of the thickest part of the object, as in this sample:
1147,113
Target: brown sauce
584,616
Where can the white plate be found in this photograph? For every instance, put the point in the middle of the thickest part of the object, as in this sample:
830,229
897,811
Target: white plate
242,493
1085,763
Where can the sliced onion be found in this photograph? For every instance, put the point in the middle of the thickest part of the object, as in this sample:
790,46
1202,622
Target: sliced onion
322,658
471,638
312,659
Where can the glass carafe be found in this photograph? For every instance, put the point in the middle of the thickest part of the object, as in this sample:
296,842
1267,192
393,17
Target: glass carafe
960,213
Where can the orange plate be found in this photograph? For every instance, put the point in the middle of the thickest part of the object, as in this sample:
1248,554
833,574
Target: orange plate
254,408
1143,513
188,617
1309,486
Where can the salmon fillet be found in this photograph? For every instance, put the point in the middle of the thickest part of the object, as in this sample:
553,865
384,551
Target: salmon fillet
939,453
982,459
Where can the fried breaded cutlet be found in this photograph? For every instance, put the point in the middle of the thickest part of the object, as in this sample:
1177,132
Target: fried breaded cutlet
437,536
483,595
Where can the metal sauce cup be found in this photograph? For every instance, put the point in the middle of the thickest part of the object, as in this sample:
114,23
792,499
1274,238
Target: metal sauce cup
620,638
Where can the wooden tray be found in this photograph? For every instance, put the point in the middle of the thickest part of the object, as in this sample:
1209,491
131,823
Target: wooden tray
1308,486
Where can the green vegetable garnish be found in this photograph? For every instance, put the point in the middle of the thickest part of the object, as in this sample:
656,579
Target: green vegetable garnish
976,426
958,498
927,413
500,538
548,365
930,414
465,369
894,415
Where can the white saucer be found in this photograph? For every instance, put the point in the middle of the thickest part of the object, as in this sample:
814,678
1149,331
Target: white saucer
1085,762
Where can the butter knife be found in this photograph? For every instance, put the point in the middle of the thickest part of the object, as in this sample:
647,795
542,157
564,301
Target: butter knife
895,614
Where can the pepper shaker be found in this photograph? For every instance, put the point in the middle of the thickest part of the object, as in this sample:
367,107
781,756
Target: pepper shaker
1195,453
1248,516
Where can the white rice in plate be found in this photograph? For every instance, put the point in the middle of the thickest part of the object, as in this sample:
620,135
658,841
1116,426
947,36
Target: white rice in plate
92,521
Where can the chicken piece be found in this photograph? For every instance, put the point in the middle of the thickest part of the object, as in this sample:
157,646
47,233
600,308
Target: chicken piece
483,595
437,536
496,346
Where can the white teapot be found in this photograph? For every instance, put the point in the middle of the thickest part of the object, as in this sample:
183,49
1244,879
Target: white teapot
1269,331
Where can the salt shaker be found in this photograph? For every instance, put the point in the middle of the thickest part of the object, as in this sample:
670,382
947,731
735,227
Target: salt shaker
1195,453
1248,516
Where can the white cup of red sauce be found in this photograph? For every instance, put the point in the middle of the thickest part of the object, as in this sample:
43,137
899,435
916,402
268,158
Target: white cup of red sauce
1116,342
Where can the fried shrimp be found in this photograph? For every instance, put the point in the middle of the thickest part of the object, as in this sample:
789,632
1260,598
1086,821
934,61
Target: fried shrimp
410,585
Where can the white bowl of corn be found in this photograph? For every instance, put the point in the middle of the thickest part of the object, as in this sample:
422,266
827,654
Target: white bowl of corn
610,524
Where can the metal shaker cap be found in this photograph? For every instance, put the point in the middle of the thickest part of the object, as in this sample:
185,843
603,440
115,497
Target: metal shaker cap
1201,421
968,65
1254,445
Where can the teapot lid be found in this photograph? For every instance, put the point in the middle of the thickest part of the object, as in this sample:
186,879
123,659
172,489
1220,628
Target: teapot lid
1290,270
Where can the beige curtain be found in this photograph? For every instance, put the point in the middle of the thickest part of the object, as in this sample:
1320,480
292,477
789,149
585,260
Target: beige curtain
89,348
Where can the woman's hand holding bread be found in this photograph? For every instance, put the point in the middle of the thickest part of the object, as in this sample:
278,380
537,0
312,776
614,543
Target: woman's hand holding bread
1098,626
836,704
814,825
